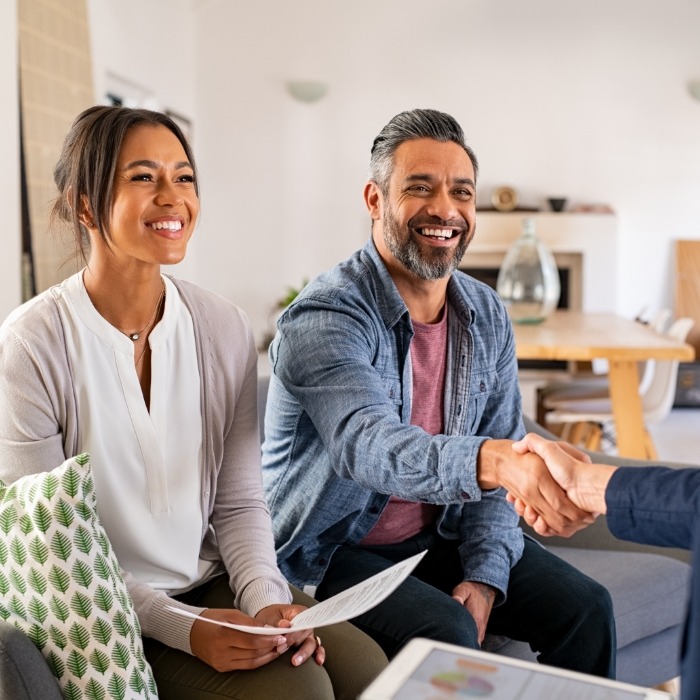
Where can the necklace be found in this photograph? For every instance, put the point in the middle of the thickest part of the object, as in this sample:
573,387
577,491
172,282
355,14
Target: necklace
145,342
137,334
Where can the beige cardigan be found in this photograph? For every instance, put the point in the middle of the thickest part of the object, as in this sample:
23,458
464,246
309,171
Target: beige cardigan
39,429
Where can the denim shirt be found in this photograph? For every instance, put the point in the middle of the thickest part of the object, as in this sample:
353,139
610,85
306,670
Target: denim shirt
338,438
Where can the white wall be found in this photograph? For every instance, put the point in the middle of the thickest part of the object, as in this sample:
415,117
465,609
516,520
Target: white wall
586,100
147,50
10,259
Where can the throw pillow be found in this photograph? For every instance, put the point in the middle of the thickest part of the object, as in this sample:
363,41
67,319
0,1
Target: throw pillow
60,584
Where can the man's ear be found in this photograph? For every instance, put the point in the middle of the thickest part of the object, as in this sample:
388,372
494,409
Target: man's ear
374,200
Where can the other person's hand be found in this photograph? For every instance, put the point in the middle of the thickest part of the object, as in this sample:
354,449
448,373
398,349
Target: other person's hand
525,476
583,482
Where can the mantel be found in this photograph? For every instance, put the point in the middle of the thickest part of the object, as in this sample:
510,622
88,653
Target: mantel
593,237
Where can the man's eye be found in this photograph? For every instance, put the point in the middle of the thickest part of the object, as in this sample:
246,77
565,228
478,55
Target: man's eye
463,194
419,188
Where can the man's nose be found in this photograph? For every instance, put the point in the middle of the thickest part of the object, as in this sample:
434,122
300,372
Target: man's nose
443,206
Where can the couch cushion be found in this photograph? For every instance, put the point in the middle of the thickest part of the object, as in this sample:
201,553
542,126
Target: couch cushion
649,591
61,585
649,594
24,674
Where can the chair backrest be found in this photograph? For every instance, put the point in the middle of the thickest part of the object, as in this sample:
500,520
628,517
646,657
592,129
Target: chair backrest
658,398
658,322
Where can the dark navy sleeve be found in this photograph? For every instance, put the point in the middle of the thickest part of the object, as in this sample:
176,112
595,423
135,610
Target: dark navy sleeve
654,505
660,506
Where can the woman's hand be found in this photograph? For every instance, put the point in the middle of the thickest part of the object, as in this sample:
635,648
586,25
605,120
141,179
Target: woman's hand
226,649
308,644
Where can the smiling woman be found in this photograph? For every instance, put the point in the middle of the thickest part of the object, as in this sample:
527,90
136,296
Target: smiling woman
156,379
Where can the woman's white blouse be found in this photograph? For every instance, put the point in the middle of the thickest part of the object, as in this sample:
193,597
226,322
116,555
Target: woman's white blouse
146,466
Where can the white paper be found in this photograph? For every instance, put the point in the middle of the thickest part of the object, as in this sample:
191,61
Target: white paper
350,603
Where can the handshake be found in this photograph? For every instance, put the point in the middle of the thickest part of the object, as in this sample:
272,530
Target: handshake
553,486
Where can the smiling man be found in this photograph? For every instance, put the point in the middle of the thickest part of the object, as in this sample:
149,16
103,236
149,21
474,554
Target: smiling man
392,408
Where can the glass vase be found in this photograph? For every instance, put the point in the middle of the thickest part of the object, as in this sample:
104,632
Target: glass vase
528,280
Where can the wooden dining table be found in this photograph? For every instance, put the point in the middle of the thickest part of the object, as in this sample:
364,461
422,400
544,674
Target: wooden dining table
583,336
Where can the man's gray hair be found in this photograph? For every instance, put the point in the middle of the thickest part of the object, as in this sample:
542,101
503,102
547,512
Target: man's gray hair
413,124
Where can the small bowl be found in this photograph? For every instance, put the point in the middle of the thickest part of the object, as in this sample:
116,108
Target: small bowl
557,203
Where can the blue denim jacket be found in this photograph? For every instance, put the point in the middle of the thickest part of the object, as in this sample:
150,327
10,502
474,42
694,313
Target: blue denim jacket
338,439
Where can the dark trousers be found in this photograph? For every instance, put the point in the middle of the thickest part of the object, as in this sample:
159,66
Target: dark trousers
565,616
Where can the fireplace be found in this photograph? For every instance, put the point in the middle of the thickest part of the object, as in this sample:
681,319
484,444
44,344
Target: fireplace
489,275
569,269
583,244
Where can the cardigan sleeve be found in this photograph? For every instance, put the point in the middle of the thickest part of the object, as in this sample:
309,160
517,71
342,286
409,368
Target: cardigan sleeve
239,514
36,394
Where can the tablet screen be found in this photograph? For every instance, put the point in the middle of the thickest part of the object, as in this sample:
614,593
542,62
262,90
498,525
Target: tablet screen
445,675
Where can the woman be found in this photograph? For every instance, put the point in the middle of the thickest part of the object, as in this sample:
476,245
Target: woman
156,379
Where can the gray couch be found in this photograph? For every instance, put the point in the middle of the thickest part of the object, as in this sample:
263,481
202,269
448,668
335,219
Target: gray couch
648,588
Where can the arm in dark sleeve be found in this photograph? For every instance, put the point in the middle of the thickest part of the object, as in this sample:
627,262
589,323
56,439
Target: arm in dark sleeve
654,505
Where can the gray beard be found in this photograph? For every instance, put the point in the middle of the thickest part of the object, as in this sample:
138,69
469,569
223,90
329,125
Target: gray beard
410,255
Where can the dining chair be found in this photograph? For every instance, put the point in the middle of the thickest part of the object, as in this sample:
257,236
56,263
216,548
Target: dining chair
583,420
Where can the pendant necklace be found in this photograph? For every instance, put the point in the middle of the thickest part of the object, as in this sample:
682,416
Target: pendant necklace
137,334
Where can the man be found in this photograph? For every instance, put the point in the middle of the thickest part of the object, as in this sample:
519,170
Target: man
650,505
392,405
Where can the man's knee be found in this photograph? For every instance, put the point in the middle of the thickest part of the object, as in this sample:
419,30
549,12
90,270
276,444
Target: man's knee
450,622
595,602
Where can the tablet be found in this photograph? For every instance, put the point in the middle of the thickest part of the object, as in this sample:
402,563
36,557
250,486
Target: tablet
429,670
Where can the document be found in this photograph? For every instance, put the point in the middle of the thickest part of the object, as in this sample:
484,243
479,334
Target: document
344,606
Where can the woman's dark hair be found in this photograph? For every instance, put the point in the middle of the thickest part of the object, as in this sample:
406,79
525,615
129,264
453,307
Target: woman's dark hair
84,173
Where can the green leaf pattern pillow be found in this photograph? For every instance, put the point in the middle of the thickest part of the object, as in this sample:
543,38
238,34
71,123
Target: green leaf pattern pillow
61,585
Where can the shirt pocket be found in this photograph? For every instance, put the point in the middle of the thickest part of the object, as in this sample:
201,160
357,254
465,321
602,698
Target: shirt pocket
484,385
392,387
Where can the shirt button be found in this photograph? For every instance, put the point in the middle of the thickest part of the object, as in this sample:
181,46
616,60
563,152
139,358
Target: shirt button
482,386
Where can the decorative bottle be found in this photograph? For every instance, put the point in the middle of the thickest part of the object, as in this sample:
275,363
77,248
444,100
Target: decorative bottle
528,281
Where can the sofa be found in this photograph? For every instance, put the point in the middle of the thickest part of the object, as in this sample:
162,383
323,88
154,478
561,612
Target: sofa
648,586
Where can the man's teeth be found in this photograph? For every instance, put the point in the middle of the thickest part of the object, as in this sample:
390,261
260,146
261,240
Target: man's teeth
172,225
437,233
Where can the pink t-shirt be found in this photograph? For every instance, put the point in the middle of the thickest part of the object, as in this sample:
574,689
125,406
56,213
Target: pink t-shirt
403,519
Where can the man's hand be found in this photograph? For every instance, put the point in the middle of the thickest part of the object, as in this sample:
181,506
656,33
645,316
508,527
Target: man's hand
478,599
584,483
528,481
